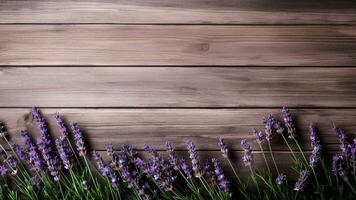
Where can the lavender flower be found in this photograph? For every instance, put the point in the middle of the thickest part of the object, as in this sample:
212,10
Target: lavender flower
4,170
260,136
247,157
303,176
288,121
338,167
33,154
159,170
78,138
61,125
315,143
64,152
193,155
272,126
223,182
36,181
110,149
85,185
12,163
44,143
106,170
223,148
173,160
186,170
19,151
281,178
342,136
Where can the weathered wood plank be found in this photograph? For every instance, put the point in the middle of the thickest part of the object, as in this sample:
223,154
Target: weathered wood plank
179,11
204,126
177,87
178,45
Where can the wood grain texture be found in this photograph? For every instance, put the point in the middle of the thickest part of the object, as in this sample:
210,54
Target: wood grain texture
177,87
179,11
204,126
177,45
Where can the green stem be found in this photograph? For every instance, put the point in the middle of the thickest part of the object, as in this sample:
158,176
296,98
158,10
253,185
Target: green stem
254,180
274,161
264,157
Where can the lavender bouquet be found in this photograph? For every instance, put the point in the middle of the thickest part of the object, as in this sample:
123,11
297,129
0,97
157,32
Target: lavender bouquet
66,168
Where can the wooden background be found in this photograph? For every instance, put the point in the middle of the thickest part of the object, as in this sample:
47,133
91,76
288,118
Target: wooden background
141,71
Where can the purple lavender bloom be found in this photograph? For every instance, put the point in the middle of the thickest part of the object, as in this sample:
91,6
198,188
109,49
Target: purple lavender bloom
105,170
159,170
78,138
61,125
194,157
342,136
3,131
19,151
64,152
338,167
269,126
186,169
36,181
173,160
315,143
110,149
288,121
85,185
260,136
44,143
303,176
247,157
281,178
4,170
223,182
223,148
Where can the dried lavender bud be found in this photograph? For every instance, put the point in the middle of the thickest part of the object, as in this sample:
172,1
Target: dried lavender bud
288,122
64,152
315,143
260,136
223,148
194,157
186,169
4,170
173,160
61,125
85,185
281,178
45,146
269,126
3,131
223,182
303,176
36,181
78,138
247,157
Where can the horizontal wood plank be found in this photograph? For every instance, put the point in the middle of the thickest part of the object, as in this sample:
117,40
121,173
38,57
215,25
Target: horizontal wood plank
177,87
179,11
178,45
204,126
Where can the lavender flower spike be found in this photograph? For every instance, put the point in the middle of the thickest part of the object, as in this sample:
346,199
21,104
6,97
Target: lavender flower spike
260,136
315,143
281,179
3,131
61,125
342,136
173,160
45,145
223,148
303,176
193,154
78,137
288,121
36,181
269,126
33,154
185,169
64,152
247,157
223,182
